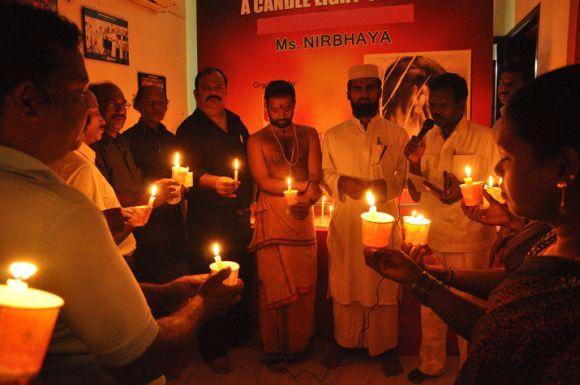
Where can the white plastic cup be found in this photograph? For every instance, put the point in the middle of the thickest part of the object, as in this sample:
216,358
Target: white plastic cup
232,279
472,193
377,228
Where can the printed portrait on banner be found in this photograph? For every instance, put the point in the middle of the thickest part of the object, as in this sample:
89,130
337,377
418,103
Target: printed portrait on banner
404,76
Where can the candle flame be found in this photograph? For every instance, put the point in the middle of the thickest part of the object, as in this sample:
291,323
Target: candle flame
414,213
500,181
216,249
176,161
331,208
236,164
467,171
490,181
153,190
370,198
23,270
324,198
289,180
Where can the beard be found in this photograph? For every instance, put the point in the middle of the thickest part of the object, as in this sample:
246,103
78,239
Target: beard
364,109
281,123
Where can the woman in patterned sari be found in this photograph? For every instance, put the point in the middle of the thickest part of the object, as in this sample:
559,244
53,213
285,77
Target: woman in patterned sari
529,332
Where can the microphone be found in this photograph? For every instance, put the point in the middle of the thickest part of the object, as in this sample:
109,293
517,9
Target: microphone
427,125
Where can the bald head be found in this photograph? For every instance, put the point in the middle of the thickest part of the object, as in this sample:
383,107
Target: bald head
112,105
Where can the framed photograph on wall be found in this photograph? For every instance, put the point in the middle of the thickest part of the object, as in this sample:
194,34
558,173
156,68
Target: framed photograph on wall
145,79
105,37
51,5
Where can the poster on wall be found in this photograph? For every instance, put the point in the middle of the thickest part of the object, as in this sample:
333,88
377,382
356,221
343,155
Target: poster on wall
145,80
312,43
404,78
105,37
51,5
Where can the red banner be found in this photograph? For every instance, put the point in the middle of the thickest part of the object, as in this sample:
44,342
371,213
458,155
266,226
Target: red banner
312,43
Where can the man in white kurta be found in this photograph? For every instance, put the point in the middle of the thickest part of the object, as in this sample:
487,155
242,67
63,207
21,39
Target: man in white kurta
458,241
364,152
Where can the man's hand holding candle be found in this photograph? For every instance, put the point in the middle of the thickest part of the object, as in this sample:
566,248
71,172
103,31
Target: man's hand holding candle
216,297
226,186
353,187
379,189
168,189
452,191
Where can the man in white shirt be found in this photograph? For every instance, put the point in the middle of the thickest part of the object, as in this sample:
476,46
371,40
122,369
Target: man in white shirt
510,79
105,322
364,152
451,145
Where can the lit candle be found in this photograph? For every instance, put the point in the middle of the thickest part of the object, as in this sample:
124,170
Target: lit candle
371,201
290,194
377,226
218,265
472,192
217,257
467,180
330,210
182,175
152,197
494,191
27,318
416,229
322,207
236,167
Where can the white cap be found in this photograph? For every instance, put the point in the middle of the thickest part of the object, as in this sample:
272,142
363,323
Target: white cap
363,71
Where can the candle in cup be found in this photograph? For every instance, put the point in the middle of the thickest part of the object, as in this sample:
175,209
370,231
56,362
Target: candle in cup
493,190
377,226
468,180
27,318
218,265
152,197
182,175
416,229
322,207
236,167
290,194
472,192
217,257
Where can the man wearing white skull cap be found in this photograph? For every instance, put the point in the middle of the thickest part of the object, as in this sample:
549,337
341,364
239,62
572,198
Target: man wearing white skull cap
363,153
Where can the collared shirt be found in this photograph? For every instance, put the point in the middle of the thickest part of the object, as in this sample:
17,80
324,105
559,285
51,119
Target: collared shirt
207,149
78,170
105,319
115,160
469,144
153,150
376,152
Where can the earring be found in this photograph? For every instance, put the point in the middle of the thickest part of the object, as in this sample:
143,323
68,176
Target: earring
562,186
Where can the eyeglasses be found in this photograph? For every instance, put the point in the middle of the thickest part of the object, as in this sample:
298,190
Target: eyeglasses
117,105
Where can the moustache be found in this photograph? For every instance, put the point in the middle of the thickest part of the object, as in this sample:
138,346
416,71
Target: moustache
363,101
219,99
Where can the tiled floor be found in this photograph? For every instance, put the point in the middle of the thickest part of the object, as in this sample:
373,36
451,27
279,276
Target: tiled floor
359,370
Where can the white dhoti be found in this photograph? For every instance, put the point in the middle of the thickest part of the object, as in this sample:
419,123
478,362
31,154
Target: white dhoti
374,328
433,350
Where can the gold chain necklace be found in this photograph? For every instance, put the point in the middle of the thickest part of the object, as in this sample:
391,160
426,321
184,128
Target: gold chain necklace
292,162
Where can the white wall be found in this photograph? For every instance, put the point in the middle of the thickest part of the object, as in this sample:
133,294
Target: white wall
157,44
553,30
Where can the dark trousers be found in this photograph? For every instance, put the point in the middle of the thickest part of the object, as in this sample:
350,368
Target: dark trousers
231,229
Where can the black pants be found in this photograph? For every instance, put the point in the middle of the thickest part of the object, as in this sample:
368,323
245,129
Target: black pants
231,229
161,254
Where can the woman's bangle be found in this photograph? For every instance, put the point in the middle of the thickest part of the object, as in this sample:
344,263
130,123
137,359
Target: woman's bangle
424,286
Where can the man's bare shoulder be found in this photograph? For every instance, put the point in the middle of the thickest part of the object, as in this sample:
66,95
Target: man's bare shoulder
259,136
307,130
